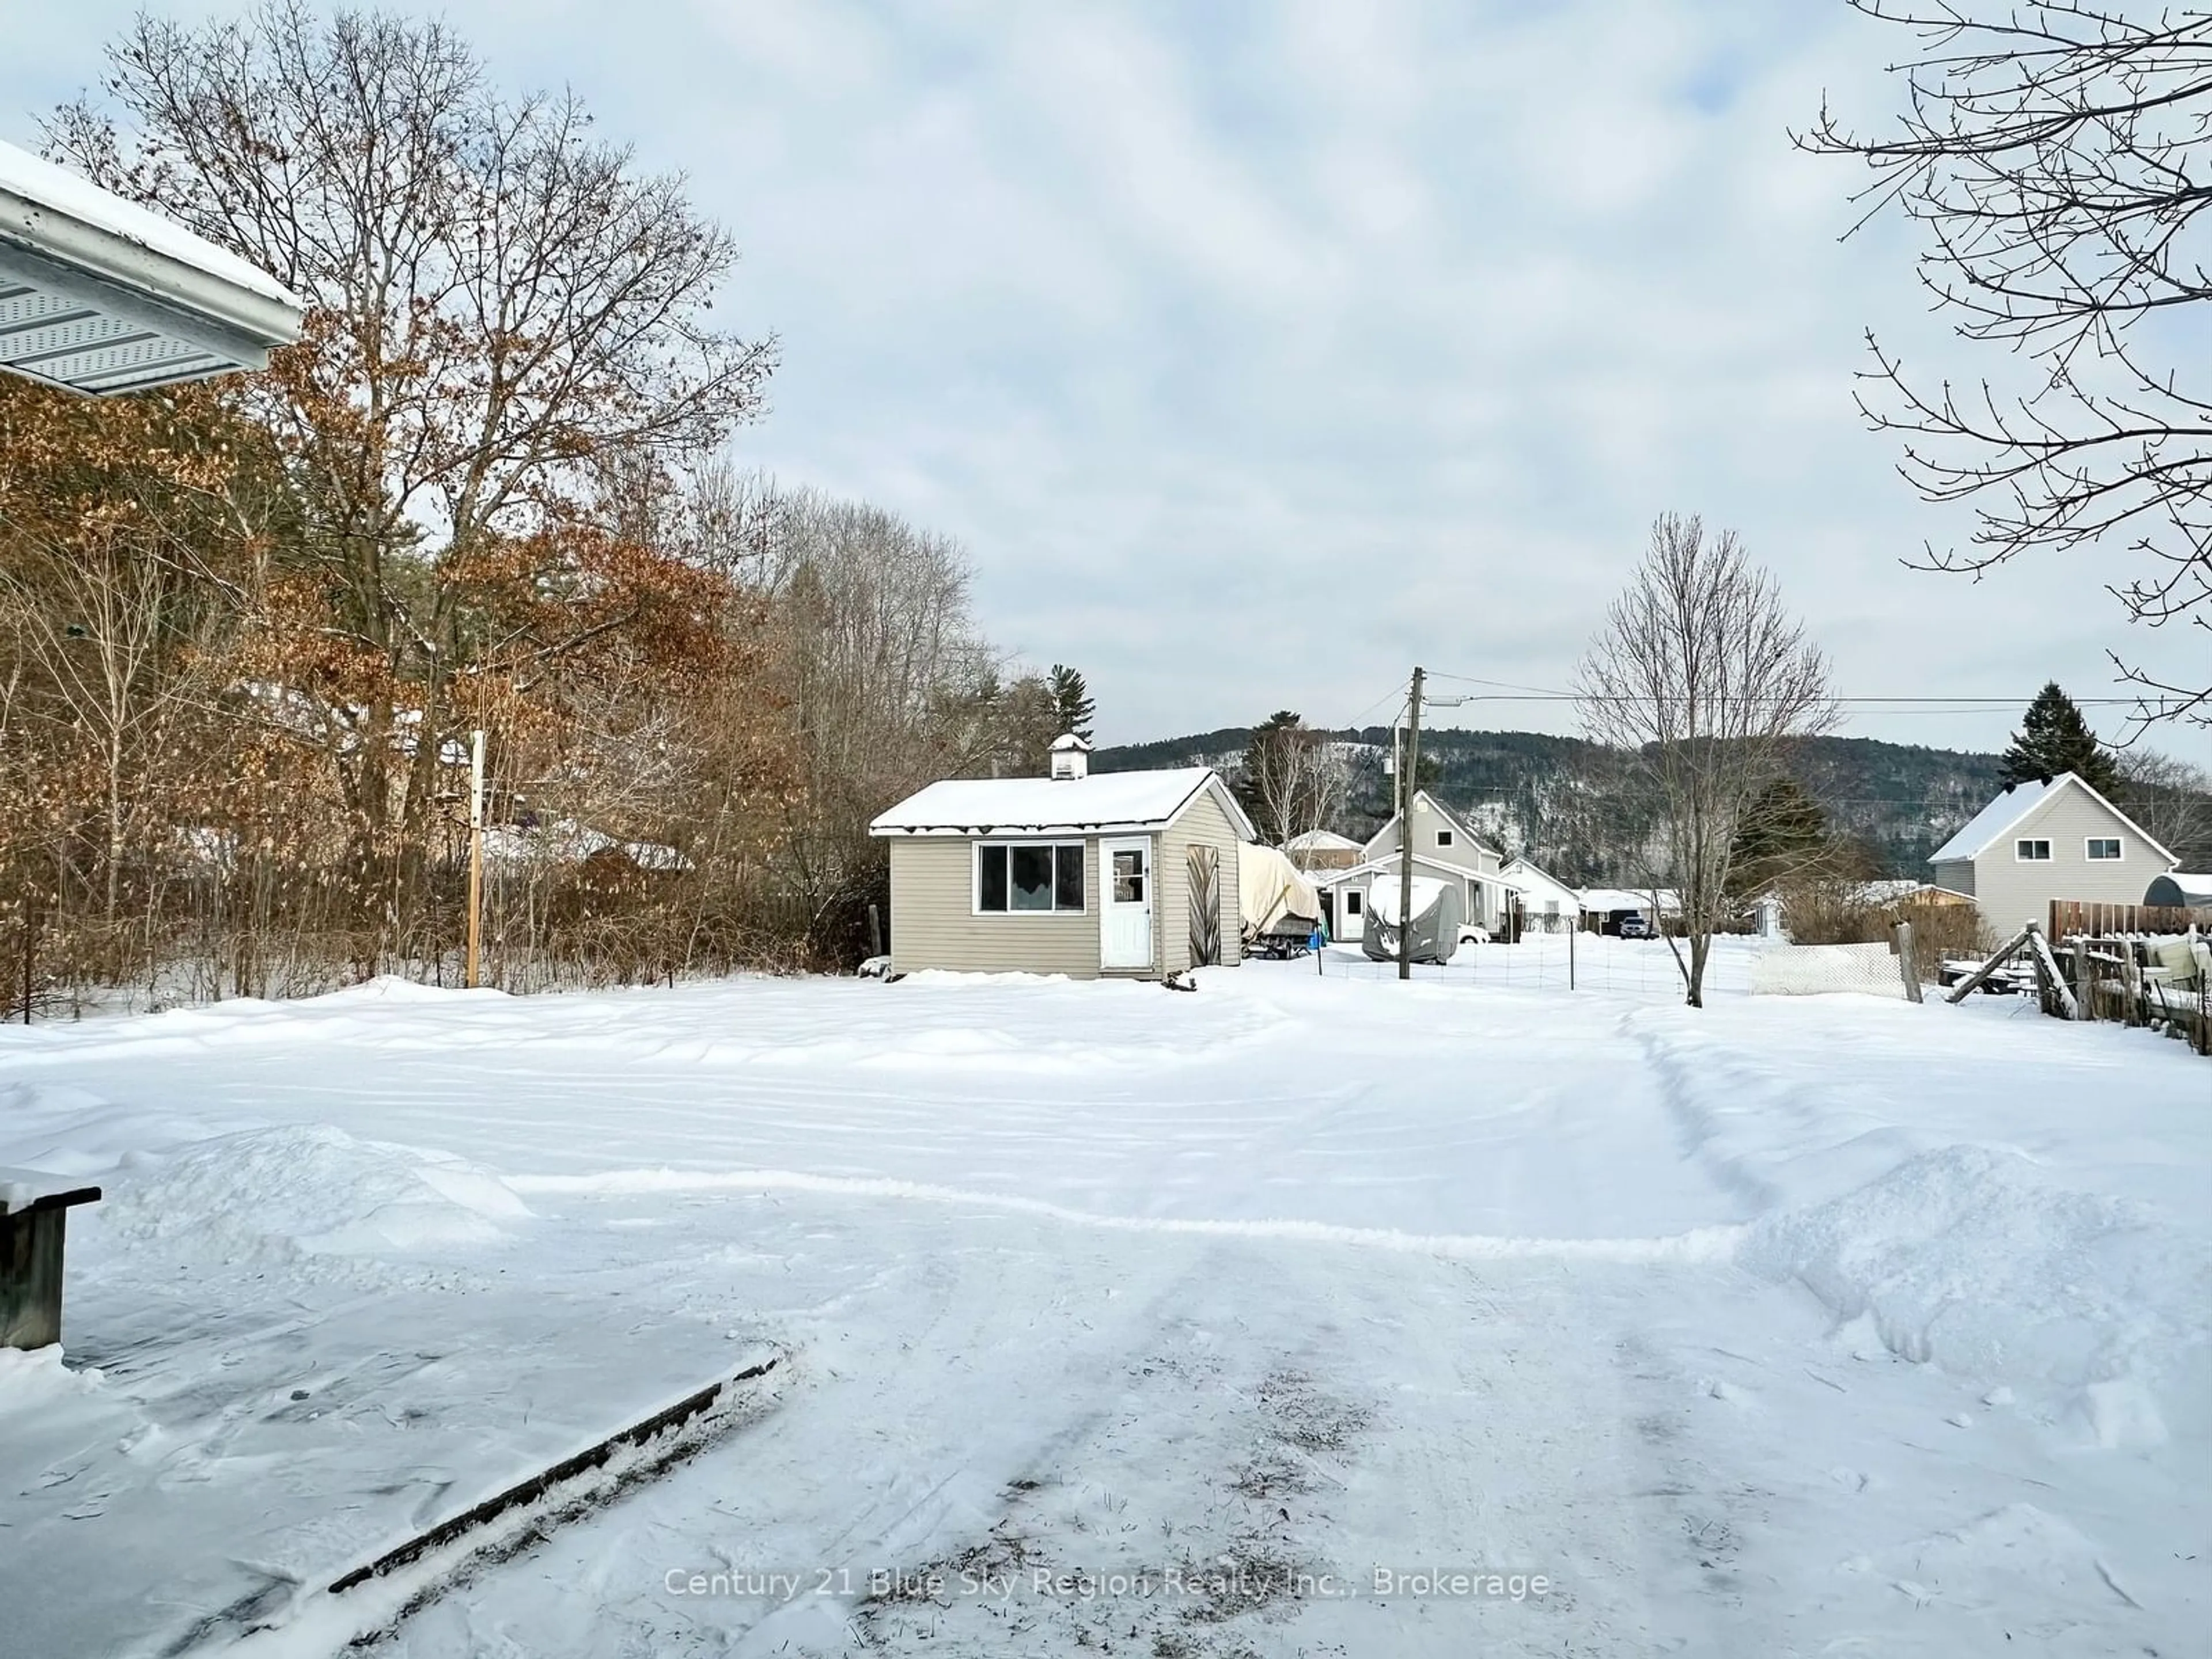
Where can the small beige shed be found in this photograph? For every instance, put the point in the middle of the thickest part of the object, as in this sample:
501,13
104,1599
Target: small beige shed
1128,874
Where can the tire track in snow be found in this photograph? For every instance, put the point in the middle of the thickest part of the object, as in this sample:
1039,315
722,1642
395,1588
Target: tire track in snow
1715,1243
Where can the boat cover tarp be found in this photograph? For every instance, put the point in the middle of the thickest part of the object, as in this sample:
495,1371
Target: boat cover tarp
1438,910
1271,892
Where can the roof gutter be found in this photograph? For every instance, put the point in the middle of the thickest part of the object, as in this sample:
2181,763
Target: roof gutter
94,311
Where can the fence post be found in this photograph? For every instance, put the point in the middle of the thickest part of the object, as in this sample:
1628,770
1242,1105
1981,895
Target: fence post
1901,942
2083,1003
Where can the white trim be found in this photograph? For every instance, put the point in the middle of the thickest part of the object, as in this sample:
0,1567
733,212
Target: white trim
1948,854
110,298
1367,850
980,827
975,875
1108,846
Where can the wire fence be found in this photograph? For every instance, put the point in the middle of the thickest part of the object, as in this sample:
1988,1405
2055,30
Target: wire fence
1639,969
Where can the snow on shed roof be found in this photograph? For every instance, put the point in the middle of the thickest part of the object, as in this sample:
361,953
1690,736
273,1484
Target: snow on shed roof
1989,825
100,295
1104,801
1320,840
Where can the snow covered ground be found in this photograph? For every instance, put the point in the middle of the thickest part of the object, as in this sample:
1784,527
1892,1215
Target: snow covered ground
1119,1320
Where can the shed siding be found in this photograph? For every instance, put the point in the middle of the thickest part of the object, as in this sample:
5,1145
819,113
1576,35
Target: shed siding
1957,874
1204,823
2010,892
934,924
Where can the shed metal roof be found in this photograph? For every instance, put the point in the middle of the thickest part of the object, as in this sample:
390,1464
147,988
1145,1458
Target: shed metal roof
1104,801
100,296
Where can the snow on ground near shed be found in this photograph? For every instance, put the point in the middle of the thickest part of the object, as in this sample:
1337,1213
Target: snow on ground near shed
1803,1325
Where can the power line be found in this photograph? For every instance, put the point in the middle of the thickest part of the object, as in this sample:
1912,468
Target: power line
1935,701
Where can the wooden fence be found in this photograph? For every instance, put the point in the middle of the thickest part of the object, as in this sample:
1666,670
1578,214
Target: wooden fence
2104,963
2079,917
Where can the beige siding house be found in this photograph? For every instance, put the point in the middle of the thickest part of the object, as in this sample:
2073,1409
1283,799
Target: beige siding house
1128,874
2041,841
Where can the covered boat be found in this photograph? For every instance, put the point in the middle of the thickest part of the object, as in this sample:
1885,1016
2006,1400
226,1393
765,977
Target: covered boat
1438,909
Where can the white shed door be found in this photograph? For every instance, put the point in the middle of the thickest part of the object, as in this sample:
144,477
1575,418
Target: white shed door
1351,920
1125,922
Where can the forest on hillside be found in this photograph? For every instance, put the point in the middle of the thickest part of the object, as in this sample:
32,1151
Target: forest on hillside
1552,799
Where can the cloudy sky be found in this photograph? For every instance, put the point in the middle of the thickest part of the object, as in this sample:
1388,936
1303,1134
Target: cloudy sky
1258,351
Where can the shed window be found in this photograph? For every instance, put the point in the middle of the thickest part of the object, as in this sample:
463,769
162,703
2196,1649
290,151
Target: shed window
2103,849
1352,902
1029,877
2031,852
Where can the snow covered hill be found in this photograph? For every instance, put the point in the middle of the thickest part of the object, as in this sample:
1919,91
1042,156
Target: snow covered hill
1310,1314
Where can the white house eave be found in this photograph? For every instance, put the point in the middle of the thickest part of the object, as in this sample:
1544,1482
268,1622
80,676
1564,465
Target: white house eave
1951,854
91,308
1388,865
969,831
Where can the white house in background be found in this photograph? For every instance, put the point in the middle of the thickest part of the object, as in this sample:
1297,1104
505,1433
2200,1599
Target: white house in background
2056,838
1604,908
1128,873
1322,850
1547,905
1445,848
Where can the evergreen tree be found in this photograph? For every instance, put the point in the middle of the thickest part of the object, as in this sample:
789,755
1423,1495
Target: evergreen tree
2052,738
1072,699
1782,833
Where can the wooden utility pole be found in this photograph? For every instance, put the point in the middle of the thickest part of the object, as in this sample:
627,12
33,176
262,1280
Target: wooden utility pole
476,859
1407,773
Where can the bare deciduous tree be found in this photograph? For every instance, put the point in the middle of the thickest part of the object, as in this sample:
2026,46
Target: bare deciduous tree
1294,778
1703,679
2056,155
2171,799
500,307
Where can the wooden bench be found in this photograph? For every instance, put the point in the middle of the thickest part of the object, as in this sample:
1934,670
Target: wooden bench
34,1221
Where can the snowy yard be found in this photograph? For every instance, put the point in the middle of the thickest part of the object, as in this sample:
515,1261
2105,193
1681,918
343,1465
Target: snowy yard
1125,1322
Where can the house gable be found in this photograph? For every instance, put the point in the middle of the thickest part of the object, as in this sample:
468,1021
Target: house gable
1464,849
2042,851
1989,829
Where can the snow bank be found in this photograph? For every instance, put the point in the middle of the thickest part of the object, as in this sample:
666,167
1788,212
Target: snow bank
1962,1257
1699,1244
39,1377
276,1193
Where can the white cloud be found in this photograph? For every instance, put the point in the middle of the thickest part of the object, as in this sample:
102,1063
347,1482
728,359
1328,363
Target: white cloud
1258,353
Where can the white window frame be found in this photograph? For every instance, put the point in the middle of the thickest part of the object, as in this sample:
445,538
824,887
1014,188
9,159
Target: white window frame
2022,849
976,876
2118,844
1444,838
1354,901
